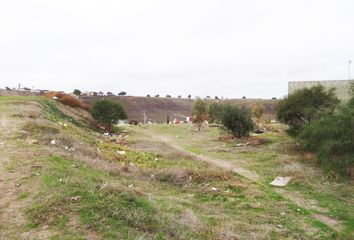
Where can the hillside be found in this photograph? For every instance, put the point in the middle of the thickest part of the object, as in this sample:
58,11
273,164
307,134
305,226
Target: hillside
60,178
157,109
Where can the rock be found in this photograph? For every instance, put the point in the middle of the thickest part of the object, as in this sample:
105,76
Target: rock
103,186
76,198
53,142
121,152
32,141
280,181
131,186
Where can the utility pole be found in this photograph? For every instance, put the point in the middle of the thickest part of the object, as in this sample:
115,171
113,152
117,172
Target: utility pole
145,117
349,62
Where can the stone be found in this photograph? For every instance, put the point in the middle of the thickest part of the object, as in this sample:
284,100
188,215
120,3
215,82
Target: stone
280,181
32,141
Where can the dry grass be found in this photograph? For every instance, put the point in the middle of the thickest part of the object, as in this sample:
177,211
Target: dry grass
68,100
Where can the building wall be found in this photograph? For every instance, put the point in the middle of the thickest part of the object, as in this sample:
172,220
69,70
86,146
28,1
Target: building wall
341,86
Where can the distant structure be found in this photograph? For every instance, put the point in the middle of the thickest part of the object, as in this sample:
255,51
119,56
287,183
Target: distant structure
341,86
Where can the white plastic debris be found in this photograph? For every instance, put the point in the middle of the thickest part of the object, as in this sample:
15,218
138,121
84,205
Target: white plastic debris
121,152
280,181
53,142
214,189
55,97
65,125
130,186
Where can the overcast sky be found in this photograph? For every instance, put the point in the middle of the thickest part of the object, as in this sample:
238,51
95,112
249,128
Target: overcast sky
226,48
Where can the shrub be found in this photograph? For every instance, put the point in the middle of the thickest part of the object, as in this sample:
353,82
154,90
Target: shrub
108,112
77,92
331,136
302,107
200,112
215,112
237,121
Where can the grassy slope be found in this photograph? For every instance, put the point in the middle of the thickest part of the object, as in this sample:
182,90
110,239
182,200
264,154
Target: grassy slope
88,191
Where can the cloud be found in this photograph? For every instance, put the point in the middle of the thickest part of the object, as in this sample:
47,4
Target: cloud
228,48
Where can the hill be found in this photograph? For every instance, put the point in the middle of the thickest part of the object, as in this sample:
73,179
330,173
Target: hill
157,109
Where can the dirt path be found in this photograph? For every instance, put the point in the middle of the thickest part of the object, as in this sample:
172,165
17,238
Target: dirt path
215,161
297,197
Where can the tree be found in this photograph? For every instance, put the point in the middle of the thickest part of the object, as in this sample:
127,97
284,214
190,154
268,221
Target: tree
168,96
200,112
122,93
77,92
237,121
215,111
303,106
108,112
331,137
148,95
189,96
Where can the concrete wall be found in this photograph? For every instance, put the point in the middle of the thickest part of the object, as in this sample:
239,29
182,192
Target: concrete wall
341,86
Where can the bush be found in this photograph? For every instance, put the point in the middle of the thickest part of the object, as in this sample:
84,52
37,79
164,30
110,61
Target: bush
215,112
108,112
68,100
302,107
77,92
200,112
237,121
331,136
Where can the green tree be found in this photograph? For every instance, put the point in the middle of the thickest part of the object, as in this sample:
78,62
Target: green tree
237,121
215,112
77,92
302,107
331,136
108,112
200,112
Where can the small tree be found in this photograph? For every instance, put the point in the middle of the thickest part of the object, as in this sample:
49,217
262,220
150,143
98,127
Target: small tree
122,93
108,112
303,106
189,96
215,112
77,92
200,112
237,121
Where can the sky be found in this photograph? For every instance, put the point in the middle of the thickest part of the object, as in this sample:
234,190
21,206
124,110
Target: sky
228,48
